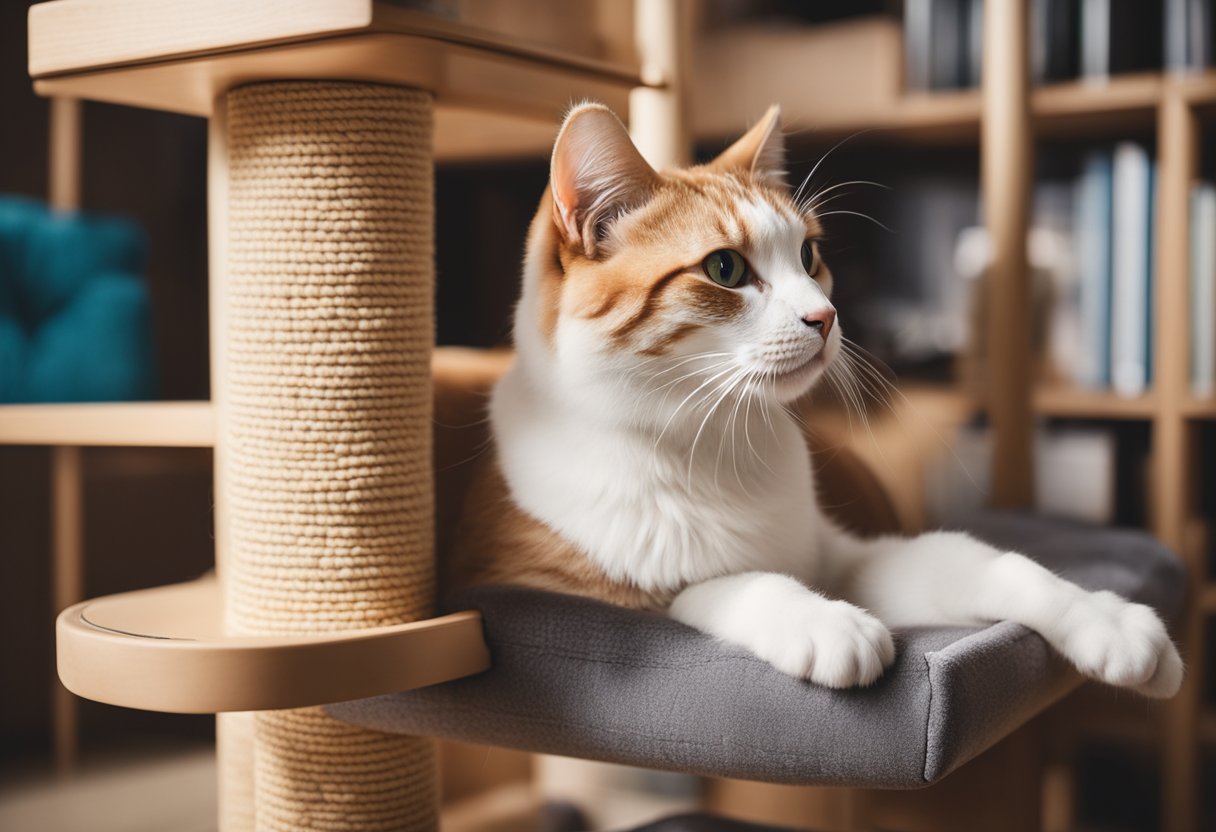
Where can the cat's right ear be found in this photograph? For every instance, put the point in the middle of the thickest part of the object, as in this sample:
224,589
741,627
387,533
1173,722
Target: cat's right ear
596,175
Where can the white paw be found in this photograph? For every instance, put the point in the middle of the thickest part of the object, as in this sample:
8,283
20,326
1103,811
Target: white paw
831,643
1120,643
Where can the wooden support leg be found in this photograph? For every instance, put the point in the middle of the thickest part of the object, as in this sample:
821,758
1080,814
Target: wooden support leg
68,545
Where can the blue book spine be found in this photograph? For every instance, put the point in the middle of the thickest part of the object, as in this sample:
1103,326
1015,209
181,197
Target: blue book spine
1093,232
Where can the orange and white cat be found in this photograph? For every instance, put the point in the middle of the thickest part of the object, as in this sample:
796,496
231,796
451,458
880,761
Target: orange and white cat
641,455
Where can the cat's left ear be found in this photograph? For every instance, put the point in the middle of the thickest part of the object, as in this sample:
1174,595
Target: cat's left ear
760,151
596,175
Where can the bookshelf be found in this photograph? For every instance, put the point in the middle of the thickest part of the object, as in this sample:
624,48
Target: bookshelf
1174,112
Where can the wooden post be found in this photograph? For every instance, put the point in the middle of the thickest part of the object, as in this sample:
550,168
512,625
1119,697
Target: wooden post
1173,466
658,112
1007,172
67,475
67,522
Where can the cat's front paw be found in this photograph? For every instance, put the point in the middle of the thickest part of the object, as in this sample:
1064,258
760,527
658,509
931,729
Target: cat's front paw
831,643
1121,643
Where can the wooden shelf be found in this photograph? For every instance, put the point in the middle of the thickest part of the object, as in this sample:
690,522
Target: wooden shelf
1088,404
1097,107
180,56
1199,89
165,650
147,424
1206,598
1199,408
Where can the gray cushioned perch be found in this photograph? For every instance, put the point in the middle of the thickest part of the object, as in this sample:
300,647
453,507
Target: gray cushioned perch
585,679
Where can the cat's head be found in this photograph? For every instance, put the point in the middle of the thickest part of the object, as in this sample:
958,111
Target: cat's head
665,281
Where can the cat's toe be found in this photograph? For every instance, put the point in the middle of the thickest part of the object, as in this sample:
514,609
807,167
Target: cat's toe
851,647
1167,678
1123,644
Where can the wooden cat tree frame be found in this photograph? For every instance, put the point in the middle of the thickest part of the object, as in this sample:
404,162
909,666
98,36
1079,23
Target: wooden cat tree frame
320,187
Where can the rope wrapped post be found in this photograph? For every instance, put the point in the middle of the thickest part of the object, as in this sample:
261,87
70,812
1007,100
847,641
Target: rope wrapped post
325,428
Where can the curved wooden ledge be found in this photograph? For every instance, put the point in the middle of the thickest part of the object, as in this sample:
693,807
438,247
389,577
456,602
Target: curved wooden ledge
164,650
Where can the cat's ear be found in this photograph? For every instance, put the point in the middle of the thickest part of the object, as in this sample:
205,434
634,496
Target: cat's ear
761,150
596,175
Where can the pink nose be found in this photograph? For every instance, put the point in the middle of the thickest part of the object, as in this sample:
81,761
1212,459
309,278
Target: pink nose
821,321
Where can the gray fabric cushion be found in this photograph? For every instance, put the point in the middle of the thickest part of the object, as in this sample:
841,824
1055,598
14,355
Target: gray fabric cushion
585,679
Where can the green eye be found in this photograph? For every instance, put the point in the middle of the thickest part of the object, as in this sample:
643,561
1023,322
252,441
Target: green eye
726,267
809,261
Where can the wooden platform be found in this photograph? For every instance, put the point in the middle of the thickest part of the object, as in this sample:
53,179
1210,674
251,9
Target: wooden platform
164,649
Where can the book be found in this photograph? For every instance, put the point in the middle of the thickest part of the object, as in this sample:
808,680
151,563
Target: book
1120,36
1130,270
1054,39
1095,39
918,19
1187,44
1203,288
1092,229
942,43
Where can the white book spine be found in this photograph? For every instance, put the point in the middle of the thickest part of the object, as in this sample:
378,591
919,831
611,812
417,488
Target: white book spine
1130,268
1176,37
1203,288
1095,39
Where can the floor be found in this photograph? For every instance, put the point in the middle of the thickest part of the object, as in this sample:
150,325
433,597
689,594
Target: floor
154,791
151,793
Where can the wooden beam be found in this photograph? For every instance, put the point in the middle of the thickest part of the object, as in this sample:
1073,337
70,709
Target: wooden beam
1173,466
1006,181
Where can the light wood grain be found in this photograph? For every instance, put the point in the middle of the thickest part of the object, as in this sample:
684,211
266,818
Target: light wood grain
1007,170
65,154
1173,472
659,111
1092,404
164,649
67,556
149,424
459,75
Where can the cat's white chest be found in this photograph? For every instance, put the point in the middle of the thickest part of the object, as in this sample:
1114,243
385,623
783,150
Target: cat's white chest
647,518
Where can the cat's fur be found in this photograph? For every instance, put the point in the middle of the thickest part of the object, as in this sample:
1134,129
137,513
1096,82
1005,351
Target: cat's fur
641,455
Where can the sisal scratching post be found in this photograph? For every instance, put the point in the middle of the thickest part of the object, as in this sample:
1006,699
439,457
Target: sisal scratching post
326,429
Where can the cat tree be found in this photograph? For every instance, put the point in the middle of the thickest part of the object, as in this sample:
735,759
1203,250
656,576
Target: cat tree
322,331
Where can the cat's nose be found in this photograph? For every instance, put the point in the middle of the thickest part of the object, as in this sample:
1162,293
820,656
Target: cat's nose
821,321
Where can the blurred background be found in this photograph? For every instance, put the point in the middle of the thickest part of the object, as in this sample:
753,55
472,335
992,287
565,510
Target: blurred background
883,106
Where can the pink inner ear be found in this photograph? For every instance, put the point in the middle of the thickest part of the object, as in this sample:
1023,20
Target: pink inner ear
565,217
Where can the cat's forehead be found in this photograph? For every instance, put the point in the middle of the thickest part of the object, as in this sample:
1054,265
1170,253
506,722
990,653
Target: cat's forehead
716,209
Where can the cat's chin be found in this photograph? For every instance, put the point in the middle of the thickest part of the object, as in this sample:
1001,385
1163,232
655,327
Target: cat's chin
792,384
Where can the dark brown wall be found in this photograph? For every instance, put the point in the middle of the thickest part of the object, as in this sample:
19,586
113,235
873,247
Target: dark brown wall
147,512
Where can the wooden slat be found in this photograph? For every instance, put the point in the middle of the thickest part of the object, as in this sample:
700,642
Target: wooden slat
1007,172
151,424
459,75
1090,404
1199,408
1173,466
75,36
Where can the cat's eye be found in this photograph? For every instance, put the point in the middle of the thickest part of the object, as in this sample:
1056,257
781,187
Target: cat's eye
726,267
810,262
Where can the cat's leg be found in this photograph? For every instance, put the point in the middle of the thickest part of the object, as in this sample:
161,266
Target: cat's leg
952,578
797,630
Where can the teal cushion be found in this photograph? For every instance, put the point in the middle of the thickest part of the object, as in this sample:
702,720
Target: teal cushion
75,316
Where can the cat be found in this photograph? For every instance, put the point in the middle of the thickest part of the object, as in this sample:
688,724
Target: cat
641,456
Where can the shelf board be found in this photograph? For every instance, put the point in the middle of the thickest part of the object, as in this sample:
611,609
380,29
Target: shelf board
1196,408
145,424
165,649
1198,88
1097,106
1089,404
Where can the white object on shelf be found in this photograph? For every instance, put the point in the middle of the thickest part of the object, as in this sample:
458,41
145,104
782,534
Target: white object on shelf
1131,296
